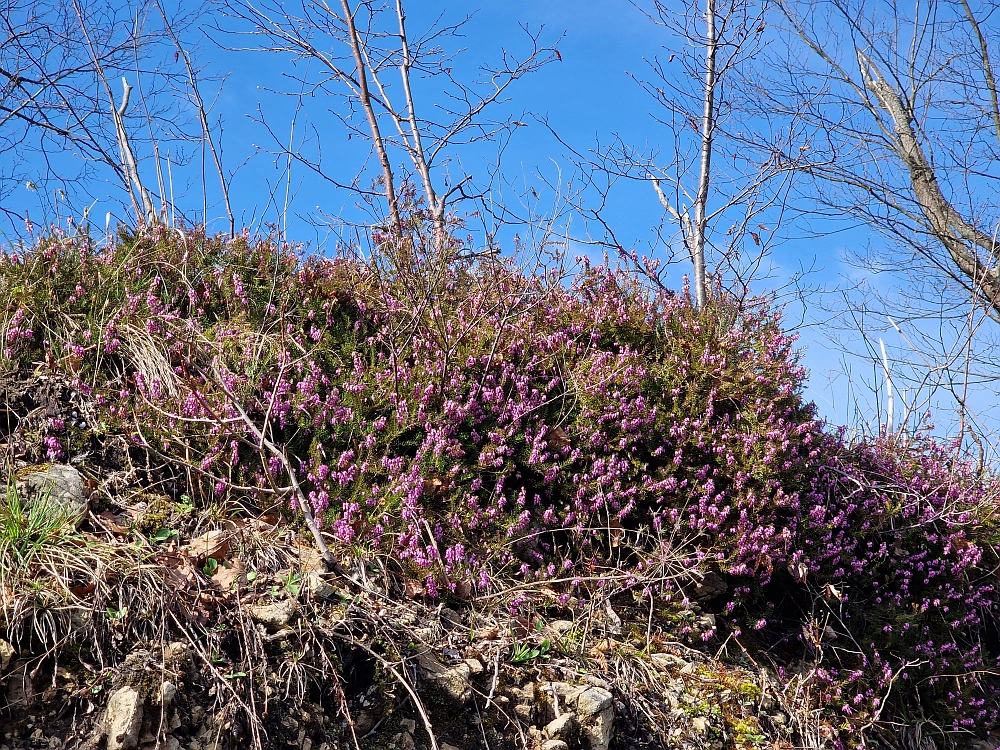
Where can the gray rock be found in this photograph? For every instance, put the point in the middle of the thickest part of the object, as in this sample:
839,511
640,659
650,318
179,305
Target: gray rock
58,486
593,700
6,654
564,727
273,616
668,661
710,586
598,730
123,719
167,692
176,655
705,622
20,691
446,746
524,693
562,690
318,586
454,681
364,722
596,715
475,666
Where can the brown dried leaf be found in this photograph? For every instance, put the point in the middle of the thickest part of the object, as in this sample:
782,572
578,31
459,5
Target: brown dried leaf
178,572
211,545
557,438
617,532
463,589
413,589
226,576
112,523
799,571
82,590
267,523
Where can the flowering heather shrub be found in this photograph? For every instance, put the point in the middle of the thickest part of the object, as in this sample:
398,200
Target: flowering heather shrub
906,538
478,424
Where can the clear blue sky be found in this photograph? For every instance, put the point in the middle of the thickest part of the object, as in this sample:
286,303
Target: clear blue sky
587,97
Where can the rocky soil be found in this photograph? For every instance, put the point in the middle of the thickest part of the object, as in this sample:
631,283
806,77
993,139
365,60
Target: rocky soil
130,618
239,636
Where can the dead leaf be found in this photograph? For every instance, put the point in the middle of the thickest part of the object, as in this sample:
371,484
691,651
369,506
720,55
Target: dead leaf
178,571
603,646
82,590
211,545
612,621
764,561
617,533
436,485
271,520
228,575
90,487
463,589
557,438
235,524
112,523
413,589
799,571
488,633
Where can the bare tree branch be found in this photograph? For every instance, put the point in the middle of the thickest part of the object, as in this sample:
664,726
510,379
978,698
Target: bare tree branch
953,231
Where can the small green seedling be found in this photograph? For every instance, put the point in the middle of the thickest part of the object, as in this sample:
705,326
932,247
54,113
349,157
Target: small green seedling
165,535
290,584
211,565
185,507
526,652
117,614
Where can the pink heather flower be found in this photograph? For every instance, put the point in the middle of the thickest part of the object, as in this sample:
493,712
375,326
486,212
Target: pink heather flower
54,450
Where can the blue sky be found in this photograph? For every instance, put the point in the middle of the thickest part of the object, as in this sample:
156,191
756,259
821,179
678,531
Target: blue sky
587,97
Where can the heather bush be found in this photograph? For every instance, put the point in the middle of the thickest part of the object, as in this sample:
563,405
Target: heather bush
477,425
902,552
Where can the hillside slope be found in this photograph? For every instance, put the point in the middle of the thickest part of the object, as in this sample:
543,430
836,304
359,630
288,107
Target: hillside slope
403,503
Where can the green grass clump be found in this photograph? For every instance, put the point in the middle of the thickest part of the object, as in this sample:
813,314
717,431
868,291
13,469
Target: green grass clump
29,530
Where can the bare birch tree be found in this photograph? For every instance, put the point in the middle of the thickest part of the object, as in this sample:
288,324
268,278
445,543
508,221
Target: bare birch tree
721,208
365,62
93,95
47,102
903,126
899,131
